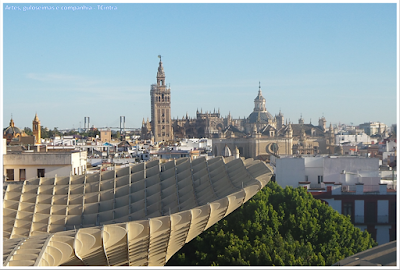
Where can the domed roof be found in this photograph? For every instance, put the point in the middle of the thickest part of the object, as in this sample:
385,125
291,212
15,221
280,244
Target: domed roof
260,116
11,129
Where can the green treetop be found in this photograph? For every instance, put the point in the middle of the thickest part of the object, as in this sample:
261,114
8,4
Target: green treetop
277,227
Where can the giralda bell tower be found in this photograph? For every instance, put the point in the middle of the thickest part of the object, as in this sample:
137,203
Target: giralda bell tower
161,125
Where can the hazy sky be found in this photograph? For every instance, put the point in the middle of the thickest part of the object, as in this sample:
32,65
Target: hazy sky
332,60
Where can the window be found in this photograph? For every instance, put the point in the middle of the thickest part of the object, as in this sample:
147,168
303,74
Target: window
392,234
370,212
10,174
22,174
347,209
40,172
306,178
392,212
372,231
320,179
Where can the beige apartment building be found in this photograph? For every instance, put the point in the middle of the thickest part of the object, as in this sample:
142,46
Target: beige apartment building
26,165
105,135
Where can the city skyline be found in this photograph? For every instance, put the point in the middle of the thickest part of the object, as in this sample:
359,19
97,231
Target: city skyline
333,60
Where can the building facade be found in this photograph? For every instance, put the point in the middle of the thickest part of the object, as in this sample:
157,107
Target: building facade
350,185
372,128
28,165
372,210
262,135
160,94
105,135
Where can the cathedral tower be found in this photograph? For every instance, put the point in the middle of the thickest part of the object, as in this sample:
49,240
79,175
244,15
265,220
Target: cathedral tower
279,120
36,129
322,123
161,124
259,101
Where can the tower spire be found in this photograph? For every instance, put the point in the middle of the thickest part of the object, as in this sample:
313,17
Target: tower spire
161,107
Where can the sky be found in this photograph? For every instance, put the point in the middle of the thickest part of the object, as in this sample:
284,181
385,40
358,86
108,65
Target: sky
312,60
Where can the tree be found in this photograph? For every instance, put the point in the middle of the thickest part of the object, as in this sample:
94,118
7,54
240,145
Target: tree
28,131
71,132
116,135
56,132
277,227
44,133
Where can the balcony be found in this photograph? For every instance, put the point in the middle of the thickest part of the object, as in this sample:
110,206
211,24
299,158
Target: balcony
380,219
383,218
359,219
317,186
369,189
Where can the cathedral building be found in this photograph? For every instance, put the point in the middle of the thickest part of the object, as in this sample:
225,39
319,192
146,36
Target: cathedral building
261,135
258,136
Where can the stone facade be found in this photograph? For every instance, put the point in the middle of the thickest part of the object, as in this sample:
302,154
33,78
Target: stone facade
258,136
161,125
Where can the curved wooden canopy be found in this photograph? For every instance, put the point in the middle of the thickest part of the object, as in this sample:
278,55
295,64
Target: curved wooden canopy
137,215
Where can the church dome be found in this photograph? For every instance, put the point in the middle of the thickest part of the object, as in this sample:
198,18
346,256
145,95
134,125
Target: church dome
260,117
260,113
11,129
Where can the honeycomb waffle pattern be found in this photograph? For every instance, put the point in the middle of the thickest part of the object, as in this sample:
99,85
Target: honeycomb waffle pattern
136,215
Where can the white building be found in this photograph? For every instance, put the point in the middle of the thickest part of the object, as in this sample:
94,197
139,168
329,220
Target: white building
194,144
320,169
27,165
346,138
350,185
372,128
